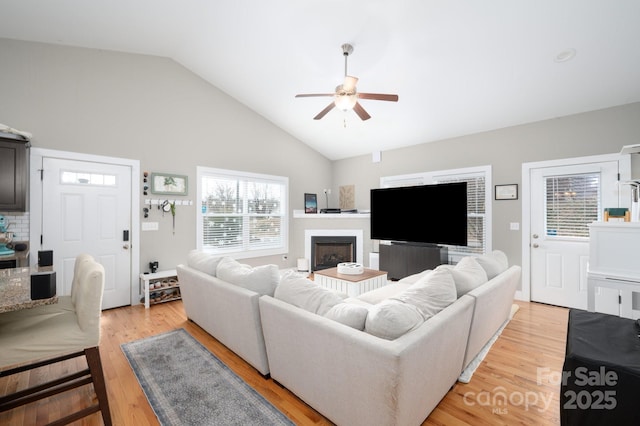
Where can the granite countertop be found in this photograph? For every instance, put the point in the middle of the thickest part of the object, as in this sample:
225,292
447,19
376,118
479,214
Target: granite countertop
15,289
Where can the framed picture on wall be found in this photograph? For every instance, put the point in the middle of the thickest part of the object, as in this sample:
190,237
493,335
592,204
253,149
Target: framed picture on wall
310,203
164,183
507,192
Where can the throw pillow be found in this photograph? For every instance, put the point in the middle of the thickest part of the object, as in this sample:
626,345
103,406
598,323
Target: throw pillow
262,279
391,319
307,295
350,314
383,293
493,263
203,262
411,279
467,274
431,294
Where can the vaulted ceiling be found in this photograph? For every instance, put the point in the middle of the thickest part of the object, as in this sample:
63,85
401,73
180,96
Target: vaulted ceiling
458,66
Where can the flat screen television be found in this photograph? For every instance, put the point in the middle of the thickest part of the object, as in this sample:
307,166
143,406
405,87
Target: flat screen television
426,214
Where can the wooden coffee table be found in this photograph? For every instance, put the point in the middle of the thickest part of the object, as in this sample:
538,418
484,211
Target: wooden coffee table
353,285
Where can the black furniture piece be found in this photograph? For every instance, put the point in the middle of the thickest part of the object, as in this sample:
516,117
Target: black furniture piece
403,259
601,372
14,164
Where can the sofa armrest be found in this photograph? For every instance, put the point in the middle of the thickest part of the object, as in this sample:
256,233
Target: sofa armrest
493,301
228,312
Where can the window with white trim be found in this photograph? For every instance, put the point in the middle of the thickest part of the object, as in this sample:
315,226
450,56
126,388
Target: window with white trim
478,202
242,214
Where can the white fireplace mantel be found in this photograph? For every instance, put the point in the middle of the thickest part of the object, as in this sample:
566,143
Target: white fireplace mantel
300,214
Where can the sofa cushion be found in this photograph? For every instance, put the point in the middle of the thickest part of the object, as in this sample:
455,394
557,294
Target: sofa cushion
391,319
411,279
431,293
307,295
493,263
383,293
203,262
262,279
352,314
467,274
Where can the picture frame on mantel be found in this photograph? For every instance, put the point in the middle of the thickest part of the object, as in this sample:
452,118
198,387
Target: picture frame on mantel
169,184
506,192
310,203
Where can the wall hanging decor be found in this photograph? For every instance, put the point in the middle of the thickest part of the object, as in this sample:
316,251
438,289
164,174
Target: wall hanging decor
164,183
506,192
310,203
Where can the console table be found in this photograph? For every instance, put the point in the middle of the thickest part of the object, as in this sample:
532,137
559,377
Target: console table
353,285
403,259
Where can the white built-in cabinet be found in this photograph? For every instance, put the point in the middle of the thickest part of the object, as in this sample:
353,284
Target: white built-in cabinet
614,262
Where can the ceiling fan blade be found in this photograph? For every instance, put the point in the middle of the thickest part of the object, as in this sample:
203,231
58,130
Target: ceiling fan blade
378,97
309,95
364,115
324,111
349,84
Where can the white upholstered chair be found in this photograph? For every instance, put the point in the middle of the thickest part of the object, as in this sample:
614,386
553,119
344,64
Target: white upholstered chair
32,338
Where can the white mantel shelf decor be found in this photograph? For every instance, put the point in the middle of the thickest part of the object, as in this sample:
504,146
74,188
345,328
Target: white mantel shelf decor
300,214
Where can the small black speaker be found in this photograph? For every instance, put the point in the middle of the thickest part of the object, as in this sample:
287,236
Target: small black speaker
45,258
43,286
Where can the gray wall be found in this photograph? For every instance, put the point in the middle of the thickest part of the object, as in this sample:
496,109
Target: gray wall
154,110
592,133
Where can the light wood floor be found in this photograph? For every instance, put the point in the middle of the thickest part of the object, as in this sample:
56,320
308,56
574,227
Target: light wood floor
514,384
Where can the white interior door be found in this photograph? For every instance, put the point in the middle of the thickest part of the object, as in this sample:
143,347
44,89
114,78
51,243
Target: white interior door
564,200
87,209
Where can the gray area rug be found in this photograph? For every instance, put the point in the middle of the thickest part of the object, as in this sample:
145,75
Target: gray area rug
187,385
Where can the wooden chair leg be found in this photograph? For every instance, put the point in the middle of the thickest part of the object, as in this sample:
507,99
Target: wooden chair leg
95,366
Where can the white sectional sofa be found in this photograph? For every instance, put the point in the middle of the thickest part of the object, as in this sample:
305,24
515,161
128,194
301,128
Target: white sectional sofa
386,357
221,296
354,377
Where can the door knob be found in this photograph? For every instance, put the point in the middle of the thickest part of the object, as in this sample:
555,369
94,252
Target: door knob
535,235
126,246
536,246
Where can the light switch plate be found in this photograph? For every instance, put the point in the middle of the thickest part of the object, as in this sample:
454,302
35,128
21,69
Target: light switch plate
150,226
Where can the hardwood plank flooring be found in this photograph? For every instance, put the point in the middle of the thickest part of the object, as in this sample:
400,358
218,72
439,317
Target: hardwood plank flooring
513,385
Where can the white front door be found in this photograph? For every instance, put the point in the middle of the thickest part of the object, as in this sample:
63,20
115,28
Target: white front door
564,200
86,208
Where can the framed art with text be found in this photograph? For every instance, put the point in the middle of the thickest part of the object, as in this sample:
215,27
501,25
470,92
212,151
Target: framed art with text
506,192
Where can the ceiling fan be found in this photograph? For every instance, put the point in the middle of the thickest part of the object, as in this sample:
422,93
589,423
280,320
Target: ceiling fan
346,97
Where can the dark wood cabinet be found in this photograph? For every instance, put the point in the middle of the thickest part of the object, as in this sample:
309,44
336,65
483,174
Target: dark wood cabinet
401,260
13,173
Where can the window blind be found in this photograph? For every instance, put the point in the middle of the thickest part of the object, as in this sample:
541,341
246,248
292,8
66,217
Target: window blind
478,205
243,213
572,203
476,212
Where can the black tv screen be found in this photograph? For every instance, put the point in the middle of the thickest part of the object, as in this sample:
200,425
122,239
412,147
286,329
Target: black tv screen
431,214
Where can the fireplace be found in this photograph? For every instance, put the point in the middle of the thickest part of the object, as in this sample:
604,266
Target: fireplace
328,251
357,253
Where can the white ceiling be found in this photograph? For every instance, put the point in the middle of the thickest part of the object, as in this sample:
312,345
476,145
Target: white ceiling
458,66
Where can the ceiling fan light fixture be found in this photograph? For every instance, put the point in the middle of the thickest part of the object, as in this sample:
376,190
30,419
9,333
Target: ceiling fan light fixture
346,102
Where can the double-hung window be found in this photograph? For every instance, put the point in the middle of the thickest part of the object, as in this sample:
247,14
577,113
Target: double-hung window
478,203
242,214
